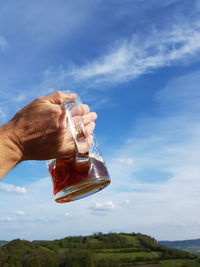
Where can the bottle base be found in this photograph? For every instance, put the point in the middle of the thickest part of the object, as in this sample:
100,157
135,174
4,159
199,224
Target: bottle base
81,190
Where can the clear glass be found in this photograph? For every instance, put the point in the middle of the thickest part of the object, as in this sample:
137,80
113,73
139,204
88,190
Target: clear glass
84,174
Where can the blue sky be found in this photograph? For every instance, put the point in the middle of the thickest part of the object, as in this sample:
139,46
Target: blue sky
136,63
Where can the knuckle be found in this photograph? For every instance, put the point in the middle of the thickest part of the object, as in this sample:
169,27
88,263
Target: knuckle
38,99
56,112
58,93
54,116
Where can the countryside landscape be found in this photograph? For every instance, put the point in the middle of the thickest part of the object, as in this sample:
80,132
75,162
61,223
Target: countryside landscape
136,63
99,250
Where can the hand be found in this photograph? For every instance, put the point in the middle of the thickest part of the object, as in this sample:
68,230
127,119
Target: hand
40,131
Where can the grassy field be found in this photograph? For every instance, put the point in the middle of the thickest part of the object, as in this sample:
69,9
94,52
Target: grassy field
121,250
131,240
127,256
168,263
145,265
94,241
133,252
179,263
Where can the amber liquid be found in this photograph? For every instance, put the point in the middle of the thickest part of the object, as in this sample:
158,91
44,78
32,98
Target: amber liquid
67,173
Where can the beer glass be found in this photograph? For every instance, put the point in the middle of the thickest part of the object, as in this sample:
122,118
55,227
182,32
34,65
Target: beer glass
83,174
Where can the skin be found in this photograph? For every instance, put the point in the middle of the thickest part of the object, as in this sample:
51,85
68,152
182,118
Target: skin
40,131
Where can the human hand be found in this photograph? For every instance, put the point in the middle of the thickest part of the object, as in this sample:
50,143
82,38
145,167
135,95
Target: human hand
40,131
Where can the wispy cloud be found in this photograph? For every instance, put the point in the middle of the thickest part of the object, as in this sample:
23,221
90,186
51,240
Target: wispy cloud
175,41
128,59
12,188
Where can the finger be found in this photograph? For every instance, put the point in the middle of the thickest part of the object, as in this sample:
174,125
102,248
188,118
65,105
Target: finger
84,109
90,139
58,97
80,109
84,146
89,128
87,118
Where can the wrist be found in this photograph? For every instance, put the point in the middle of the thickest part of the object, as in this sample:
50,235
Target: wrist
11,153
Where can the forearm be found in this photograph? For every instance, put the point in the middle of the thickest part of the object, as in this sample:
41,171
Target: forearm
10,154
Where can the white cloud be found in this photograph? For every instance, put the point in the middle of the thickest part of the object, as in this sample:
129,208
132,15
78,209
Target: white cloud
131,58
3,43
20,213
12,188
128,161
103,206
6,219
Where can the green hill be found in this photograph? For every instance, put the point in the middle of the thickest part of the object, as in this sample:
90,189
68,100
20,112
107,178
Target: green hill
97,250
